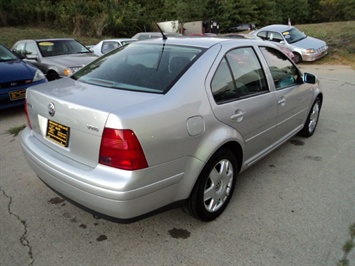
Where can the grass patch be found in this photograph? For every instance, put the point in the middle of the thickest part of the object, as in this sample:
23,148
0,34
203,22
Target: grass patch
10,35
340,38
348,246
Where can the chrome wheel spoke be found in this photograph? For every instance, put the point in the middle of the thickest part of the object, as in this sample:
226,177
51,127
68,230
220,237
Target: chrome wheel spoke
313,118
218,185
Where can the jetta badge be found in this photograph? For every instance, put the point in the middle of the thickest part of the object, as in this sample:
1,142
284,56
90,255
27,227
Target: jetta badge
51,109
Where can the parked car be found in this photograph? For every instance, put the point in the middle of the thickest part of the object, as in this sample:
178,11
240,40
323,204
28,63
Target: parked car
242,27
169,122
157,34
56,58
305,48
207,34
15,77
105,46
248,36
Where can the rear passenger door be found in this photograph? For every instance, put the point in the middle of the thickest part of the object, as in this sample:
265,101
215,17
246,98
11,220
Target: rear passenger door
243,100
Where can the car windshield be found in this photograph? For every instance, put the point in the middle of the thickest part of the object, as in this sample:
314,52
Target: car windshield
140,67
293,35
6,55
61,47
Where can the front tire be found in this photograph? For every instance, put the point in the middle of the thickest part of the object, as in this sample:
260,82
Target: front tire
52,76
214,187
312,120
298,58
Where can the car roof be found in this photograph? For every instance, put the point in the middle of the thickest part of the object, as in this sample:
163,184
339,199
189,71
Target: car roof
277,27
48,39
205,42
117,39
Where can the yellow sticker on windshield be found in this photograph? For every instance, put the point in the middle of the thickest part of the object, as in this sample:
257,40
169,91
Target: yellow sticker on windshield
286,33
46,43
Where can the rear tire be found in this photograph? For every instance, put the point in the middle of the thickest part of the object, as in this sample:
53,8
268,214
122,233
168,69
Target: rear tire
312,120
214,187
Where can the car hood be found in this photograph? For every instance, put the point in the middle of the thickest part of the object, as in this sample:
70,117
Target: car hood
71,60
15,70
309,42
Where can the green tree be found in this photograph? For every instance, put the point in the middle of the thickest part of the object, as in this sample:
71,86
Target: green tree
265,12
336,10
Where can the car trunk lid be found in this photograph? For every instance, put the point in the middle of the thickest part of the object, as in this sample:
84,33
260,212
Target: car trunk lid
75,130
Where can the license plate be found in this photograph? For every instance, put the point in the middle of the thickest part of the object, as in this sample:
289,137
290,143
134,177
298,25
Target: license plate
17,95
58,133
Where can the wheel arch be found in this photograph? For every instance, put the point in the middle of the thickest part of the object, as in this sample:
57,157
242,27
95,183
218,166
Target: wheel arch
52,72
203,156
320,96
223,137
237,150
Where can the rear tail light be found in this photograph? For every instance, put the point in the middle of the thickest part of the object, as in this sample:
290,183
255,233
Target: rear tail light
121,149
27,117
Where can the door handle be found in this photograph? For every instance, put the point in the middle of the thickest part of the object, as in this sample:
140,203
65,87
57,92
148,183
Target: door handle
238,116
282,101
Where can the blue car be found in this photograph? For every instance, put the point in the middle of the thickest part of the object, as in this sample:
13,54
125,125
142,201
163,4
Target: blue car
15,77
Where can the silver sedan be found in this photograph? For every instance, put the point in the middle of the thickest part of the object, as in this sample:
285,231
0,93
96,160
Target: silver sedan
105,46
305,48
56,58
166,122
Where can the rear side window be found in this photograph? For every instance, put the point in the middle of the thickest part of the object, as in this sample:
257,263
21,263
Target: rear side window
262,35
140,67
238,75
283,72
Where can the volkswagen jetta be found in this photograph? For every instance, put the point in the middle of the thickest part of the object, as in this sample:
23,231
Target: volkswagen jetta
166,122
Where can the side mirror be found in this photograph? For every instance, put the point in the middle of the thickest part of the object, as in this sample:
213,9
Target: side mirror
282,42
31,56
309,78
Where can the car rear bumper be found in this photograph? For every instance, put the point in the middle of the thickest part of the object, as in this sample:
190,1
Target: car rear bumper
111,194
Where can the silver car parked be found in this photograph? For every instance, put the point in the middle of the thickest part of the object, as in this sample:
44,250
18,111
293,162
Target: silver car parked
169,122
105,46
56,58
305,48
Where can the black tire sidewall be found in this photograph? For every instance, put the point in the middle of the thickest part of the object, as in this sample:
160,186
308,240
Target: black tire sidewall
200,209
305,132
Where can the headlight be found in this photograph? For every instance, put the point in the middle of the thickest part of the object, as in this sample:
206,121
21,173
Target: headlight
70,70
311,51
38,75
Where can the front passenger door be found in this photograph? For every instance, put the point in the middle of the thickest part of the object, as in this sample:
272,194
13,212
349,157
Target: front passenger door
293,97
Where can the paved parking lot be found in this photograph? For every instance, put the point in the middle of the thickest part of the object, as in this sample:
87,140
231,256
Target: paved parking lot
292,208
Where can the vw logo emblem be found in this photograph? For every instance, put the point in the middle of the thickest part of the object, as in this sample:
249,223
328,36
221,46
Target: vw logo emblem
51,109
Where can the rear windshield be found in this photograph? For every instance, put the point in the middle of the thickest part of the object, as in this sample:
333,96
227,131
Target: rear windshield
140,67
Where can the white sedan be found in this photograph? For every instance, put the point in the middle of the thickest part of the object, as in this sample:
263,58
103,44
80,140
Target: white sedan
105,46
